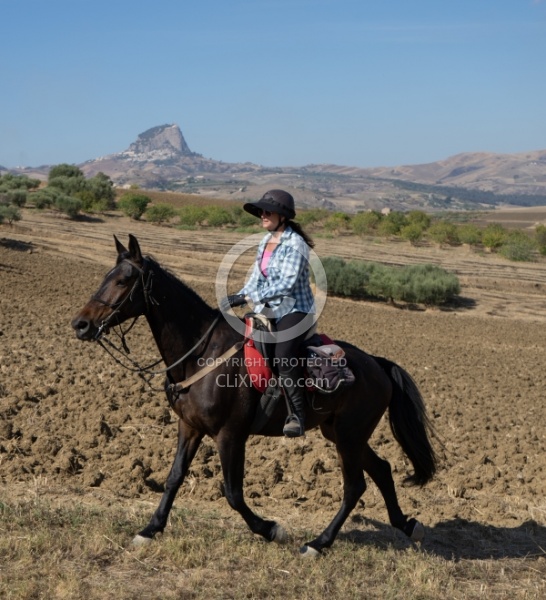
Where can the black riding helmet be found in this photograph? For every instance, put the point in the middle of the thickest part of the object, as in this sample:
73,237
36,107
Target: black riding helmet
277,201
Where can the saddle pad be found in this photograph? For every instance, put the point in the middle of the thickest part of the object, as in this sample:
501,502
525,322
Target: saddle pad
256,365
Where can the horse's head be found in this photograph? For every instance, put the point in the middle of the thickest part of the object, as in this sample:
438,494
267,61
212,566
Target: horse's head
122,295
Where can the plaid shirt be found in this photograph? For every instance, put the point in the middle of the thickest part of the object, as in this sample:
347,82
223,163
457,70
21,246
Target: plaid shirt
286,288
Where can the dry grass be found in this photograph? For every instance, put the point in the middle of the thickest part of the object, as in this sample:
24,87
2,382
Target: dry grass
57,549
178,200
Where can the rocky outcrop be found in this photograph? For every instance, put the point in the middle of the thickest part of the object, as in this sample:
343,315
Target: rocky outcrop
161,158
163,141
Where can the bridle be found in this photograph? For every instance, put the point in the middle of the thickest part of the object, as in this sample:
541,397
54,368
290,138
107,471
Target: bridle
145,280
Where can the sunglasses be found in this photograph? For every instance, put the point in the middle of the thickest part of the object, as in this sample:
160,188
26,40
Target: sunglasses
266,213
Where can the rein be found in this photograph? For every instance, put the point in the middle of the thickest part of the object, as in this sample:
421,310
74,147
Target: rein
145,372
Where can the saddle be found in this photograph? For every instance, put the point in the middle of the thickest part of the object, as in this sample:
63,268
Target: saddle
326,367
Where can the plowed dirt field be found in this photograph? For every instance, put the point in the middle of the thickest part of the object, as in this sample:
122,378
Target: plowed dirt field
73,419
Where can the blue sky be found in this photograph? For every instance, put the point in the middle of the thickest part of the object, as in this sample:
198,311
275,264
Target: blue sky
274,82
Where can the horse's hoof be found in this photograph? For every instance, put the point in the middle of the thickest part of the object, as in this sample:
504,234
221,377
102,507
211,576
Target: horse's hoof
140,540
279,534
415,531
309,552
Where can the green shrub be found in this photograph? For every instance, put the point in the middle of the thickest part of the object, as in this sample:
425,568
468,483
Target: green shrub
216,216
101,193
443,232
540,236
9,214
68,185
418,217
243,219
312,216
470,234
44,198
413,232
64,170
337,221
247,220
333,266
68,205
87,198
17,182
378,278
366,222
518,246
134,205
387,228
53,197
18,197
493,236
392,223
192,215
352,280
100,206
96,193
160,213
423,284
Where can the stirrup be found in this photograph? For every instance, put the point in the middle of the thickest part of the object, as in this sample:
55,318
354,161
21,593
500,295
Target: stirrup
293,427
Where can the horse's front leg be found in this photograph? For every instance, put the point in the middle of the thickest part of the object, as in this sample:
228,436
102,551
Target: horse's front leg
232,457
188,443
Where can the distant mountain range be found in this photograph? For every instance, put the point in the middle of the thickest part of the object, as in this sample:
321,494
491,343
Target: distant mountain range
161,159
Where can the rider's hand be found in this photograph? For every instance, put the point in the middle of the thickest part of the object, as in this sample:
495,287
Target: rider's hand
232,301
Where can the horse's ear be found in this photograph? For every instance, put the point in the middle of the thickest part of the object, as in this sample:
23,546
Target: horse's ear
134,249
120,247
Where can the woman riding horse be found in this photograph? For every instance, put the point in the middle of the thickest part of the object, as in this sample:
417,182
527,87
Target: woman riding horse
279,288
189,333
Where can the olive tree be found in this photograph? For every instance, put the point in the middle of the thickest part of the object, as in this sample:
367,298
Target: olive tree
134,205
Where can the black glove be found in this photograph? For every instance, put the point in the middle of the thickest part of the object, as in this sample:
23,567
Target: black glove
232,301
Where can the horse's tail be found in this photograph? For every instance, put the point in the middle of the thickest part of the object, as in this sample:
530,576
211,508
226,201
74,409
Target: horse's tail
409,422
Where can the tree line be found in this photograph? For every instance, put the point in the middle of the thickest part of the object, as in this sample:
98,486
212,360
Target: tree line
70,192
67,190
415,226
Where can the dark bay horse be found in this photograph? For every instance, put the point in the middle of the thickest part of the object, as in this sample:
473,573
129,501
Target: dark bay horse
190,333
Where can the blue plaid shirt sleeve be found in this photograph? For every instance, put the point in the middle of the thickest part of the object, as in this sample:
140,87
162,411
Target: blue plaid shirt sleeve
286,287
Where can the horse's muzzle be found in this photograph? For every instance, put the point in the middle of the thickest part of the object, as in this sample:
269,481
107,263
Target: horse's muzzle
85,329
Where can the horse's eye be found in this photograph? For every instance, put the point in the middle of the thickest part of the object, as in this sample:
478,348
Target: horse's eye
122,282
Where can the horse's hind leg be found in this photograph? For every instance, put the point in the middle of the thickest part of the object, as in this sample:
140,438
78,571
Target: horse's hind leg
232,457
380,472
354,485
188,443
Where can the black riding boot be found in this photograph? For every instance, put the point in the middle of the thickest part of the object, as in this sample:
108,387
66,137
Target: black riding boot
295,395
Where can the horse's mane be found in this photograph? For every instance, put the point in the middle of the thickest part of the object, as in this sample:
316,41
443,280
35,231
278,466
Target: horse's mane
192,300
